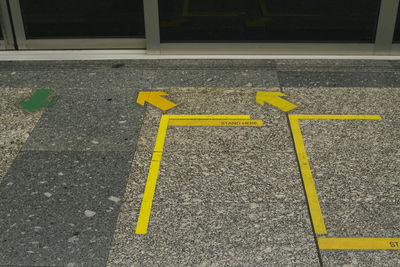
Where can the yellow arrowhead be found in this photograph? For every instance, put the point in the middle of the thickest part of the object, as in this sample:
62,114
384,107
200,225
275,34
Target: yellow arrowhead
156,99
274,98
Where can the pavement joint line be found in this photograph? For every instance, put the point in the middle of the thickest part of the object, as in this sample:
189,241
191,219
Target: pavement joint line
182,120
312,197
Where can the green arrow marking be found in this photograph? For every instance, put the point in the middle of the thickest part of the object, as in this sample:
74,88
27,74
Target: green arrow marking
37,101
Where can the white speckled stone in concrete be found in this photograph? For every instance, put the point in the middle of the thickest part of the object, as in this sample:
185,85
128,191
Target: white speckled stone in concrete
217,233
217,203
361,258
213,77
53,220
81,119
355,165
15,124
349,78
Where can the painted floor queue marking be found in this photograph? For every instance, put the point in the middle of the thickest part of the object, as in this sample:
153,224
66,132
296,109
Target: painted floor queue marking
179,120
359,243
312,197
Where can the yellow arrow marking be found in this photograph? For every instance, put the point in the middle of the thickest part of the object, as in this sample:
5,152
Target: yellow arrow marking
274,99
156,99
359,243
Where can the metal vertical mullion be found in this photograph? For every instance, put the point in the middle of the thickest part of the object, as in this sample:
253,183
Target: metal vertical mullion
18,23
5,22
152,26
386,25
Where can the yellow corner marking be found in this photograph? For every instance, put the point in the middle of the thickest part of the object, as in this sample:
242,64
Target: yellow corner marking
215,123
156,99
312,197
336,117
162,132
359,243
210,117
147,201
274,98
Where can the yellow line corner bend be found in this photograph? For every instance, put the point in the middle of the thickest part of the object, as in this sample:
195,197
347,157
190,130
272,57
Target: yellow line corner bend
308,180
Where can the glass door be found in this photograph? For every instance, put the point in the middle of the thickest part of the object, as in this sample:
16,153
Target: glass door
280,21
77,24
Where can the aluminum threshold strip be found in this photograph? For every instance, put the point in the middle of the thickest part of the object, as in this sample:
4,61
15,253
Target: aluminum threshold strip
141,54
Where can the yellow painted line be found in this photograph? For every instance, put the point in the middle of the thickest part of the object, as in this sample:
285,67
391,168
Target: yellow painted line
336,117
162,132
359,243
210,117
215,123
147,201
312,197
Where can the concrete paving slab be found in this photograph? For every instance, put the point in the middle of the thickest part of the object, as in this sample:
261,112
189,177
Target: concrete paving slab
213,181
229,176
95,79
15,126
361,258
356,176
70,65
272,137
345,100
60,208
244,176
334,65
215,234
338,79
227,64
219,219
89,120
355,166
216,78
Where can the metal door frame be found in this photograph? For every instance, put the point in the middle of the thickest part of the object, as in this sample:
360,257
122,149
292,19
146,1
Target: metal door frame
69,43
5,27
382,46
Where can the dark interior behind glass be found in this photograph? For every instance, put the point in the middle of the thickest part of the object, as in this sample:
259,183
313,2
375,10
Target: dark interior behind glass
396,37
268,20
82,18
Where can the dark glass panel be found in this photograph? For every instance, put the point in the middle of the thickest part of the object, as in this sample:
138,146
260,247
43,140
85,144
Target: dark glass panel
268,20
82,18
396,37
